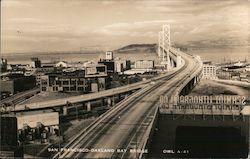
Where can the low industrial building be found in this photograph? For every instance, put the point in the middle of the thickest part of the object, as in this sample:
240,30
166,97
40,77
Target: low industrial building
25,127
48,118
90,79
66,82
144,64
248,68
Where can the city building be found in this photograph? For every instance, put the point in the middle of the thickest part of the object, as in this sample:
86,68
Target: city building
127,65
134,71
95,70
248,68
14,83
48,64
46,69
209,71
19,68
222,74
122,65
26,127
119,66
38,77
75,65
110,65
35,62
90,79
65,82
245,77
62,64
48,118
96,75
44,83
109,55
3,65
144,64
9,147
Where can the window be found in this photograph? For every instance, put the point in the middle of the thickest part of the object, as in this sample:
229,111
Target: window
58,83
80,88
55,88
65,82
80,82
72,82
65,88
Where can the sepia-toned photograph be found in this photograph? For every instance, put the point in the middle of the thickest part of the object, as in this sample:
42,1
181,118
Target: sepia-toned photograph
125,79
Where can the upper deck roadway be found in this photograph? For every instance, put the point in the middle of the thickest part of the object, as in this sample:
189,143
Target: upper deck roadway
127,125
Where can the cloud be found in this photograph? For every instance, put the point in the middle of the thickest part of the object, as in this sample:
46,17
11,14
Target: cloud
131,29
108,2
184,6
27,20
87,22
15,3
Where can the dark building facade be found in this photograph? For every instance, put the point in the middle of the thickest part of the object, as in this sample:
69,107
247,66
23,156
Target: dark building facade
36,63
110,64
17,83
9,146
3,65
199,136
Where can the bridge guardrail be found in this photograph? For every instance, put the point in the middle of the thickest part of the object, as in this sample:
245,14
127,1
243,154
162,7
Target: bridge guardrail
148,132
197,71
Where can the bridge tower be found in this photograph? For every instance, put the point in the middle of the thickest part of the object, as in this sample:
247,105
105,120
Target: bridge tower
164,46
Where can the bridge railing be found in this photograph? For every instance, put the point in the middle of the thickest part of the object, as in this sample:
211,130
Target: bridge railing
148,133
193,75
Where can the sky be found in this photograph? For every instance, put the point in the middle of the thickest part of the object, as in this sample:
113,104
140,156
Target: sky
71,25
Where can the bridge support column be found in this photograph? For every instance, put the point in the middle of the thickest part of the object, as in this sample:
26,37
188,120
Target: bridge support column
113,100
88,106
172,63
103,101
109,101
125,96
178,61
65,110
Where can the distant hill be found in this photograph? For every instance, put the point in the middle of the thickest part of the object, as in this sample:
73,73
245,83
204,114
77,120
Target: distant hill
150,48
